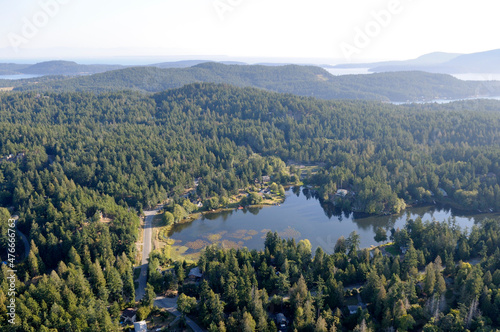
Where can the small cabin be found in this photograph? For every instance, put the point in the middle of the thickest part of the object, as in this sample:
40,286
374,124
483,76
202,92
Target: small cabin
129,316
281,322
140,326
353,309
195,274
342,192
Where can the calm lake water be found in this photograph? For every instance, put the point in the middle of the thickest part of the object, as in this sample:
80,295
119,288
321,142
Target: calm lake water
301,216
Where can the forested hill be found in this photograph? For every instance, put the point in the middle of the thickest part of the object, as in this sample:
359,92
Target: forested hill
300,80
56,67
386,153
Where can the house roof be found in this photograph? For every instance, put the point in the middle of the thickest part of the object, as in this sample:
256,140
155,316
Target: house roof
140,326
195,273
352,308
128,313
342,192
280,317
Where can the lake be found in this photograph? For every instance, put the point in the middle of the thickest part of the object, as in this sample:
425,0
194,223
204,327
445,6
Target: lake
301,216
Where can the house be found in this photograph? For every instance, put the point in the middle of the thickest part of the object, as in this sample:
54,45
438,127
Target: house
199,204
353,309
266,178
195,274
140,326
281,322
443,192
129,316
197,182
342,192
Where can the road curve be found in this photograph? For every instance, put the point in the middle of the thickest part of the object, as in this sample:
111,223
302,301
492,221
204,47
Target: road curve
146,249
26,244
25,241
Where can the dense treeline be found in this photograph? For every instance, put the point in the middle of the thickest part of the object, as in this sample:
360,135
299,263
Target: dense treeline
29,81
300,80
431,287
77,265
142,149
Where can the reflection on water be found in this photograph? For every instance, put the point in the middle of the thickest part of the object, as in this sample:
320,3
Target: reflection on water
303,216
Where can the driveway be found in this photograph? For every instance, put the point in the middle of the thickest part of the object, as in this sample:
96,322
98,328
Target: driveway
171,305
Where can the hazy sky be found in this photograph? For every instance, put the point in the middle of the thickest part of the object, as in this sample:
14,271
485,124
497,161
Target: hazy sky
347,31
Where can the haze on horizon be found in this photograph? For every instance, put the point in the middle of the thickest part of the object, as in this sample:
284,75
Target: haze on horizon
332,31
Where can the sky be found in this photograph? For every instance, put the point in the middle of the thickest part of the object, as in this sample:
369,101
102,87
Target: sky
328,31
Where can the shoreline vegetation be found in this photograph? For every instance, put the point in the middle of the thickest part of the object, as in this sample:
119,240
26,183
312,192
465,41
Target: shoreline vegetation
274,199
304,178
270,194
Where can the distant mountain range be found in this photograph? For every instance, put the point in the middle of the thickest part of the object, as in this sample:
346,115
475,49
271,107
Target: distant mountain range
309,81
448,63
55,67
437,62
190,63
70,68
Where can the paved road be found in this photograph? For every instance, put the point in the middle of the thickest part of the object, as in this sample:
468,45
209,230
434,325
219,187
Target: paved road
146,249
25,243
171,305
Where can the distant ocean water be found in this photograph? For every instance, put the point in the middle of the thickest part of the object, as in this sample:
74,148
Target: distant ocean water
17,77
443,101
347,71
464,77
477,77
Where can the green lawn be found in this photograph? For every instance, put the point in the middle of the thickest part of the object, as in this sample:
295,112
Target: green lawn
391,248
